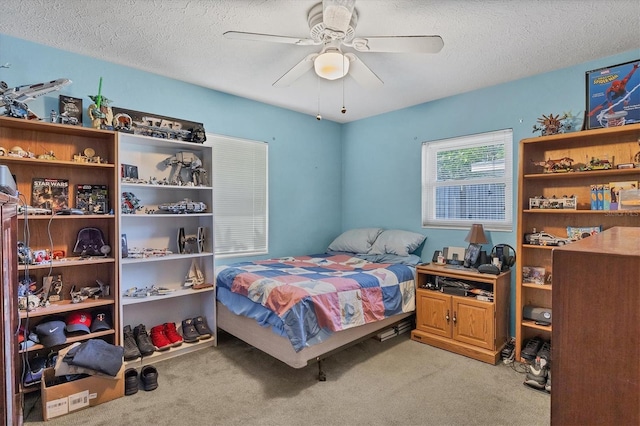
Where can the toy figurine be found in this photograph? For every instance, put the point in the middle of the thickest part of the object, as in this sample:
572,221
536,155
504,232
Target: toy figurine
552,125
192,163
99,111
556,166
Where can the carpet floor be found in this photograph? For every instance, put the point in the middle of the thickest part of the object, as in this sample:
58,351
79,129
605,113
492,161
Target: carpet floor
395,382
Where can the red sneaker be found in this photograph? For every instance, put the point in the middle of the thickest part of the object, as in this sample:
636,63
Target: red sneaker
172,334
159,338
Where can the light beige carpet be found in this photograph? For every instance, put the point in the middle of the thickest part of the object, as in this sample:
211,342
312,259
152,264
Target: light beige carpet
396,382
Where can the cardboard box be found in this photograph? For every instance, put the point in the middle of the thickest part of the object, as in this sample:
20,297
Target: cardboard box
58,400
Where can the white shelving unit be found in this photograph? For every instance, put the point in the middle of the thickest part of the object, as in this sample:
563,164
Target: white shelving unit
150,228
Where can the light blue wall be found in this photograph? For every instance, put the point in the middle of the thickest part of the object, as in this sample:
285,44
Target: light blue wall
305,182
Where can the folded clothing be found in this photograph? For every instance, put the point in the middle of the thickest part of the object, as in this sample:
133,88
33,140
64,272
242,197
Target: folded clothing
97,355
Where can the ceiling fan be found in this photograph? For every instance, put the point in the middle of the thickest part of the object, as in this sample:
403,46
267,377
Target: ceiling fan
332,24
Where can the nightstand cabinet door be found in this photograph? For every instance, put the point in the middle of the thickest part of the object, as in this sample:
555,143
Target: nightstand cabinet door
473,322
434,313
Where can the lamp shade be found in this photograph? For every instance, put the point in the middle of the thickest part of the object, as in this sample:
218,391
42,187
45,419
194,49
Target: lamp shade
476,235
331,65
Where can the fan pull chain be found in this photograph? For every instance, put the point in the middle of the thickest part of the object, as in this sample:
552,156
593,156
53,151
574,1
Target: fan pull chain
318,117
344,109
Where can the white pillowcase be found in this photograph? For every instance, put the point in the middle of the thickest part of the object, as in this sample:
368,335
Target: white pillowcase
355,240
396,241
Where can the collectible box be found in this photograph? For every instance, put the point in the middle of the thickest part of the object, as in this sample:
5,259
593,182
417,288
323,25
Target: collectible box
533,274
600,195
606,197
569,203
614,189
70,109
92,199
613,98
580,232
594,197
47,193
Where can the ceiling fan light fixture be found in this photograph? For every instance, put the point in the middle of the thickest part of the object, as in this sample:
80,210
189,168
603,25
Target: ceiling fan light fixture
331,65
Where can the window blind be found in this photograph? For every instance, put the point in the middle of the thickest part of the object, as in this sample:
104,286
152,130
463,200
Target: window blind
240,183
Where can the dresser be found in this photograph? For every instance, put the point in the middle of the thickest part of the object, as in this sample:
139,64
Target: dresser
596,329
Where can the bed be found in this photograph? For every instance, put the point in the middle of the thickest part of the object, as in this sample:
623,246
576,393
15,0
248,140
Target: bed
302,309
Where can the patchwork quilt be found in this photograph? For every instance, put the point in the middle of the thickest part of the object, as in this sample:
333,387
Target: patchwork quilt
320,294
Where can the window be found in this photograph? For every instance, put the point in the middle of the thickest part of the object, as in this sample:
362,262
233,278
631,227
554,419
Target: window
240,182
468,180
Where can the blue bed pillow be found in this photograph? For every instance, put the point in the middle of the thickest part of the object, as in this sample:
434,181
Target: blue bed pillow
396,241
355,240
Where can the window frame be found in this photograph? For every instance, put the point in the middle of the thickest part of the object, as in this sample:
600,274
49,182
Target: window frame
430,150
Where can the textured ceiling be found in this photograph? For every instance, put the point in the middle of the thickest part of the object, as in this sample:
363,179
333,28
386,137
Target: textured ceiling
485,43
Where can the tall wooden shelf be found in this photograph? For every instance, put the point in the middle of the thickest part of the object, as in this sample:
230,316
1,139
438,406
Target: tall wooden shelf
58,232
618,145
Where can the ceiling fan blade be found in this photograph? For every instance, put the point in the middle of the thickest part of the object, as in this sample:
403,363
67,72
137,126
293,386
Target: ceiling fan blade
238,35
297,71
399,44
361,73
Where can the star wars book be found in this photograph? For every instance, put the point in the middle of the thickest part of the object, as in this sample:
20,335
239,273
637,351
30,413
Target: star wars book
49,193
92,199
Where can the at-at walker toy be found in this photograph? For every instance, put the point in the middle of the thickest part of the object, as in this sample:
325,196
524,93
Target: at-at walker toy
192,163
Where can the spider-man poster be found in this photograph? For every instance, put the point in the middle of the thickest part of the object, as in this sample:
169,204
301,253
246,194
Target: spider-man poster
613,95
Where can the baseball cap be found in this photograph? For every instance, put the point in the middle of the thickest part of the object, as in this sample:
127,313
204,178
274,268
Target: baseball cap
51,333
100,322
79,321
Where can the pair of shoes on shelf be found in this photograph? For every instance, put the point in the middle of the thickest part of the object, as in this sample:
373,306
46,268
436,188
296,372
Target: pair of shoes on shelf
131,350
539,374
148,378
143,340
194,329
542,362
531,348
165,336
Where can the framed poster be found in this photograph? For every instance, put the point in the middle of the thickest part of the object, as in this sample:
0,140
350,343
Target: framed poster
613,95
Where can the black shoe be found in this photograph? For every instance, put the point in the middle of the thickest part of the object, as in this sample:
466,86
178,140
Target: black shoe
189,332
131,350
130,381
144,341
201,327
544,353
531,348
149,377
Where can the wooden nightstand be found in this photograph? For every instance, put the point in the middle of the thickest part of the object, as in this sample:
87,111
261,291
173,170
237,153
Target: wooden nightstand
462,324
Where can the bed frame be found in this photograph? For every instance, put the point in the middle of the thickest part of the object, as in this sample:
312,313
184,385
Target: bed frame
249,331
